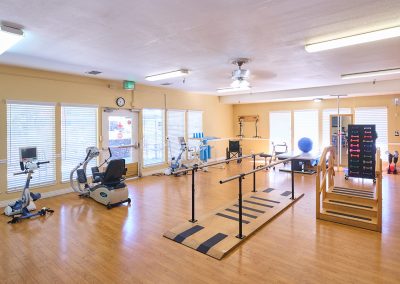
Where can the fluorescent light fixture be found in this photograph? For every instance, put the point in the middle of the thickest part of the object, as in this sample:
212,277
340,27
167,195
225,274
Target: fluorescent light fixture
232,89
167,75
371,73
354,39
8,37
317,100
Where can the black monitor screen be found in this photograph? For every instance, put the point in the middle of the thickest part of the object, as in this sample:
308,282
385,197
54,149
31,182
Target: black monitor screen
27,153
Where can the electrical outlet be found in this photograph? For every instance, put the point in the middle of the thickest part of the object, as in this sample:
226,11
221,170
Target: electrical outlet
396,133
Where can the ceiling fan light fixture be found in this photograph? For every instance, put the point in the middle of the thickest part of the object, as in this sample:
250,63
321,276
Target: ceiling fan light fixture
240,84
371,73
168,75
9,36
354,39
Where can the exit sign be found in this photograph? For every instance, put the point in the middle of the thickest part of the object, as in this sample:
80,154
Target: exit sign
129,85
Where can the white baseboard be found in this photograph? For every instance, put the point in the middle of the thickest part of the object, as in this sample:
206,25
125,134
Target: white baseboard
4,203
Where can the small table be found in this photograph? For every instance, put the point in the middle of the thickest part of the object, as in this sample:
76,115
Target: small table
303,163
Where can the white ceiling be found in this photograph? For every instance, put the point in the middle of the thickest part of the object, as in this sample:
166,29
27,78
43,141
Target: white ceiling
133,39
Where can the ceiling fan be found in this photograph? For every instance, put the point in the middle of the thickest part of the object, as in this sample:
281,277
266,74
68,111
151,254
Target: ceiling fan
239,77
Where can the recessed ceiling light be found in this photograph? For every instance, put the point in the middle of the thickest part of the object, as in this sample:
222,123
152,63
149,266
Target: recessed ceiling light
9,36
167,75
94,72
354,39
232,89
371,73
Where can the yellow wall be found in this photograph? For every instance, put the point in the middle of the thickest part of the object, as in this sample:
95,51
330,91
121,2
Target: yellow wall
263,110
34,85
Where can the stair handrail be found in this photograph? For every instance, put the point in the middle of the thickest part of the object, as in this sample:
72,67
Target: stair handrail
327,174
378,177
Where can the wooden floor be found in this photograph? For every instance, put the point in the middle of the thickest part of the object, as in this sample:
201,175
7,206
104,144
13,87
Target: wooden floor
83,242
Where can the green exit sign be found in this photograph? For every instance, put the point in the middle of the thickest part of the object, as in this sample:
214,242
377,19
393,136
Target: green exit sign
129,85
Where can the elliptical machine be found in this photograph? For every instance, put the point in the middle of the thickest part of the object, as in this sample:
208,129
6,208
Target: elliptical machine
107,188
19,209
392,169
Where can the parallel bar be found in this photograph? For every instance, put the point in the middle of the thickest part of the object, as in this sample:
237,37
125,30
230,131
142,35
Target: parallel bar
254,174
257,170
240,235
217,163
193,220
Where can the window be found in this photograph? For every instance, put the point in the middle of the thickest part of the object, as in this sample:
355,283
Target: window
280,127
78,131
306,125
153,136
195,122
175,129
377,116
326,140
31,125
195,125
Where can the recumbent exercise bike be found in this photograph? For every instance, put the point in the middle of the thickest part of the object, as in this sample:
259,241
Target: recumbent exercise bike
108,187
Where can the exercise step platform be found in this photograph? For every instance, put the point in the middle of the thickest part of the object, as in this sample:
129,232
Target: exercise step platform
342,217
215,233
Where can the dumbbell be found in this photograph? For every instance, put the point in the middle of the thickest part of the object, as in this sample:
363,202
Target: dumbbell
367,162
367,128
354,156
354,173
355,150
367,132
354,140
354,145
368,137
367,168
354,136
368,156
368,141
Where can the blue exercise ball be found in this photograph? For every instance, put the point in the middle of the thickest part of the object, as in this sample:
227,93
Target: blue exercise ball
305,144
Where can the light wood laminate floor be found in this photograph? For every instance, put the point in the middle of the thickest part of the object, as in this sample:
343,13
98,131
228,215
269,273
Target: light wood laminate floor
83,242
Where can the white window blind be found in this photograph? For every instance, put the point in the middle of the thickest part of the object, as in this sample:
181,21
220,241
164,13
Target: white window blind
306,125
153,136
195,125
31,125
326,139
280,127
195,122
379,117
175,129
78,131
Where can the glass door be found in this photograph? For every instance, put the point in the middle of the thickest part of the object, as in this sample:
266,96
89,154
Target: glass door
120,133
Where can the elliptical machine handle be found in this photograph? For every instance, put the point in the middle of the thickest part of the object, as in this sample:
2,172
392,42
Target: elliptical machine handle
41,163
19,173
87,155
109,151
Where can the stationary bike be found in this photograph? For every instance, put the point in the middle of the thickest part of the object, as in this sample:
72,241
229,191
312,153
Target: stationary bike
19,209
176,162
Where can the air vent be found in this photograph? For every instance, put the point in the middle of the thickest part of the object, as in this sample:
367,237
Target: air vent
94,72
166,84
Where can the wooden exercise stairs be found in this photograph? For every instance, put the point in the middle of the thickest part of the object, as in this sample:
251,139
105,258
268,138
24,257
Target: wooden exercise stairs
354,207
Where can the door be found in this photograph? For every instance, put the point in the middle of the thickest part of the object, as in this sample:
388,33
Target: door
339,138
120,132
